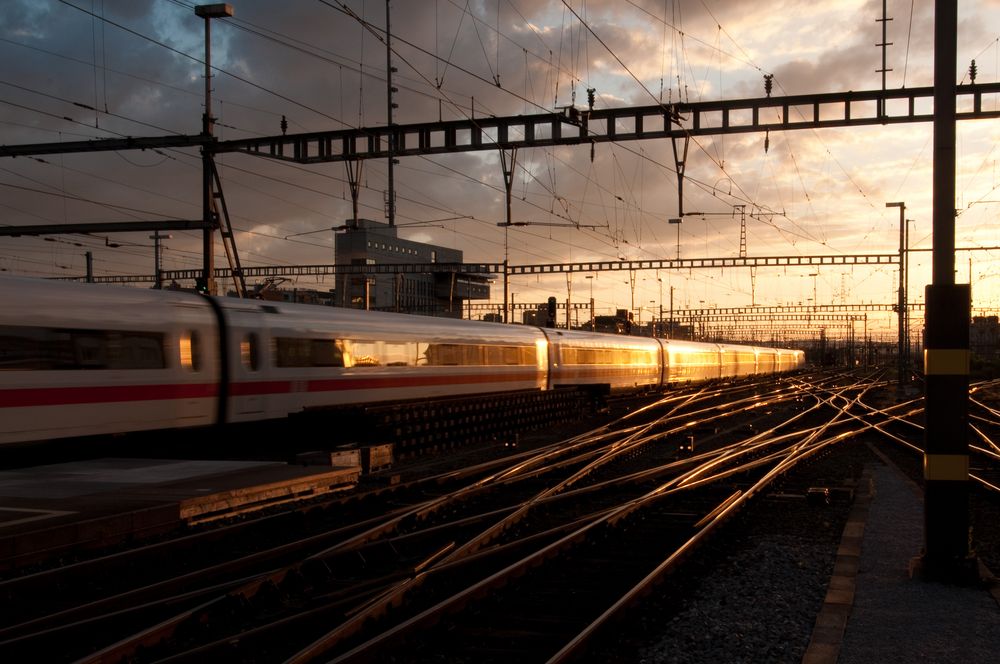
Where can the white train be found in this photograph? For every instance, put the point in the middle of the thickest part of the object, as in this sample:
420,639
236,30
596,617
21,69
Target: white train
80,359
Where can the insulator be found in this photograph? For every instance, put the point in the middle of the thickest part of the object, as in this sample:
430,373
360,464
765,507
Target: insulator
284,125
768,84
973,71
590,97
767,141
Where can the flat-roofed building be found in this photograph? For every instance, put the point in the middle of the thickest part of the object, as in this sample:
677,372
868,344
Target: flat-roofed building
435,293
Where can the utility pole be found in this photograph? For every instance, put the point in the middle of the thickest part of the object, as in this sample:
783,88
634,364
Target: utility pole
507,165
590,278
157,267
906,295
671,312
946,554
660,280
677,222
884,21
569,293
208,12
390,199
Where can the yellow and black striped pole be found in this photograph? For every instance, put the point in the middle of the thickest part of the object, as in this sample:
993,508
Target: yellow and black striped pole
946,446
946,355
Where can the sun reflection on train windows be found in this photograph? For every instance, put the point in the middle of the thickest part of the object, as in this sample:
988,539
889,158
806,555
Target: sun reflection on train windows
398,354
249,352
190,351
541,355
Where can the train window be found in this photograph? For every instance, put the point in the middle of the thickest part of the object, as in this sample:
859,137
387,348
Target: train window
326,353
47,349
190,351
292,352
397,354
444,355
136,350
249,352
365,353
410,354
618,356
441,355
512,356
298,352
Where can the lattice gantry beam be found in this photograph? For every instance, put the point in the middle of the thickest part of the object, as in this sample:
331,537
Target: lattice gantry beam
572,126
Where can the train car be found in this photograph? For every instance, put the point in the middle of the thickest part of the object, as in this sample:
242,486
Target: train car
688,361
82,360
619,362
737,360
287,357
79,360
767,360
789,360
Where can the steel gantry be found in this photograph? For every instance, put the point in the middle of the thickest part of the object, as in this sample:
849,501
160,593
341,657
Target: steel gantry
571,126
498,268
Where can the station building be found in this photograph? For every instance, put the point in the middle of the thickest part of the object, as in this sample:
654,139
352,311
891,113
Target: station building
441,292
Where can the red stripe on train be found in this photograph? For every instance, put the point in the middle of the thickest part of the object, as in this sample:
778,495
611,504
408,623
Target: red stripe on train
57,396
64,396
375,383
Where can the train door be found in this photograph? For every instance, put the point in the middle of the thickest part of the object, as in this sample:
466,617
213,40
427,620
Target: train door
249,369
550,362
246,376
664,362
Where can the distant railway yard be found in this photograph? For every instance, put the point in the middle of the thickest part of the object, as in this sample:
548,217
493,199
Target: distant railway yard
601,539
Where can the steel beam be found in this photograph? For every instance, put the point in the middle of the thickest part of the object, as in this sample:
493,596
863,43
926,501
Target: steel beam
570,126
498,268
575,127
103,227
105,145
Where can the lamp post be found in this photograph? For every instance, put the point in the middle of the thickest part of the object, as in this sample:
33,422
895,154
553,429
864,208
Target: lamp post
208,12
901,300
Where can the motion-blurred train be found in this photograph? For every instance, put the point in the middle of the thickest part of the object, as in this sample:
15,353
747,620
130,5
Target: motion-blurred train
81,360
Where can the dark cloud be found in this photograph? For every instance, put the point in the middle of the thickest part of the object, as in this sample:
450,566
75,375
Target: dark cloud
322,70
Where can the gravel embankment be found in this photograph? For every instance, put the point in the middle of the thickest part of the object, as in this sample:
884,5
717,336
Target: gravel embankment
755,589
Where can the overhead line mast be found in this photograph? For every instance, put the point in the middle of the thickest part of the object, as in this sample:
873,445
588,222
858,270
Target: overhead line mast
390,198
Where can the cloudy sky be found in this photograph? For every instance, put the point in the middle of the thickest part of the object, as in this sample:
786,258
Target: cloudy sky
79,69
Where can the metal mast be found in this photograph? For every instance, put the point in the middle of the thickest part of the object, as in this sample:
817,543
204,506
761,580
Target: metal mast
390,200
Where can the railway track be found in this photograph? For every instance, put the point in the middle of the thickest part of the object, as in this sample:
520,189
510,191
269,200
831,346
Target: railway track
478,559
